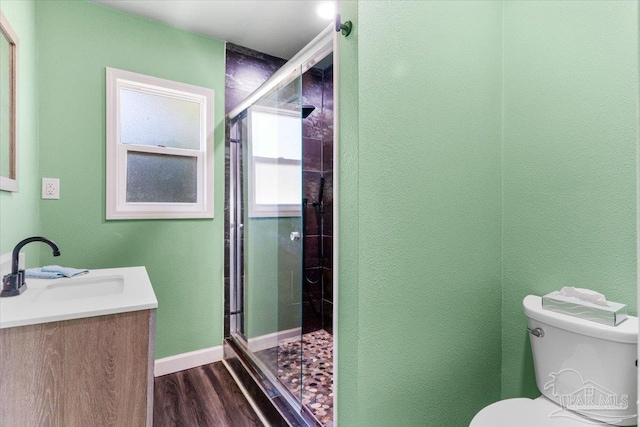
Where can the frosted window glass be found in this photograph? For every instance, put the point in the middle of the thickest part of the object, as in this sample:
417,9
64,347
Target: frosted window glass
277,184
276,135
147,119
5,106
157,178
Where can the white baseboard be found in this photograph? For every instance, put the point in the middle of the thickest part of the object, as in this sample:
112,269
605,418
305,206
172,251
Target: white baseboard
272,340
192,359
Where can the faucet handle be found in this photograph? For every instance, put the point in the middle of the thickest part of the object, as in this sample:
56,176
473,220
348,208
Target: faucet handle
13,284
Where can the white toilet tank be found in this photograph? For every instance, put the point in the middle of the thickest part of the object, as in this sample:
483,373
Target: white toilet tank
585,366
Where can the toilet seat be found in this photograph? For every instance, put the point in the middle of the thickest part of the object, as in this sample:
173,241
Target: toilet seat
524,412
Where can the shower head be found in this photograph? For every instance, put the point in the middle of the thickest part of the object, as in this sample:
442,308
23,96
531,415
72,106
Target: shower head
306,110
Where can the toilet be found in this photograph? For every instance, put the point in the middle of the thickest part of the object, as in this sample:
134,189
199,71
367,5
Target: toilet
586,372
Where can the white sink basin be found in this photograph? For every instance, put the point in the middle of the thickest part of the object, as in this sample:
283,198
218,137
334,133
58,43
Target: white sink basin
81,287
98,293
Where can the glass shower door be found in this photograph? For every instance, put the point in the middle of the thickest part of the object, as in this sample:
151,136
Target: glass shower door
269,209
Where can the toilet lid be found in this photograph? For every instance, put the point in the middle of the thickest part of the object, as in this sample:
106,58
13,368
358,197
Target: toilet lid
525,413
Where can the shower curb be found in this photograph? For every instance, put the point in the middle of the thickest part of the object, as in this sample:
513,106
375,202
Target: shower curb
272,405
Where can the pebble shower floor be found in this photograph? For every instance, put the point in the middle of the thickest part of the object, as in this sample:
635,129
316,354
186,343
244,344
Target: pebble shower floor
317,372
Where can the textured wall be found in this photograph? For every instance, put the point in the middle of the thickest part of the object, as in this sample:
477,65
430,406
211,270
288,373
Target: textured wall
570,127
19,211
569,101
346,368
428,212
184,258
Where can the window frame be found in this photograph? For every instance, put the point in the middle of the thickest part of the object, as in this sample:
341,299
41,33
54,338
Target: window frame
270,210
117,206
10,182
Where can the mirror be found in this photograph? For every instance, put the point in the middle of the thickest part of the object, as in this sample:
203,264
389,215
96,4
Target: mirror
8,106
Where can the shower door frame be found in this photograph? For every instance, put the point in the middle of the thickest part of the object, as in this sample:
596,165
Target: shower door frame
320,47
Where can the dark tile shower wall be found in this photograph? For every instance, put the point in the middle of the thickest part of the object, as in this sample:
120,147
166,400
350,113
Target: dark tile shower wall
312,310
246,70
317,132
327,218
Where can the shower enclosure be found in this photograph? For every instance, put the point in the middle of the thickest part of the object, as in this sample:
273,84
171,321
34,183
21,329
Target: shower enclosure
279,325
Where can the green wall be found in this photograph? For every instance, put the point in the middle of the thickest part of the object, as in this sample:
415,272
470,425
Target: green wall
19,216
184,258
427,263
272,276
345,191
570,129
494,156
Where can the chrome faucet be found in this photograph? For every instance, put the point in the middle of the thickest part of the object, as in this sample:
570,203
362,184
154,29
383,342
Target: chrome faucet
13,284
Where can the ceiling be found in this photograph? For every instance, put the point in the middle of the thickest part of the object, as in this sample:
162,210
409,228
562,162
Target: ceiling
276,27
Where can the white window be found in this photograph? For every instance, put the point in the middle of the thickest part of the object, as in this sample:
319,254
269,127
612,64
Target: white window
159,148
275,167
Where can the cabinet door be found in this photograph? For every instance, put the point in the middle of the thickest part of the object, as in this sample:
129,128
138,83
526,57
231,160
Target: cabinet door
77,373
106,370
31,377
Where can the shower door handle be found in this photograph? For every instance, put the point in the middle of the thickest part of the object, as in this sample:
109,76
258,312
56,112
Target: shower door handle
294,236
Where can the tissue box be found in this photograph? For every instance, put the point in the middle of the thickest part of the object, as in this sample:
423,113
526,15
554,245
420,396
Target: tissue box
613,314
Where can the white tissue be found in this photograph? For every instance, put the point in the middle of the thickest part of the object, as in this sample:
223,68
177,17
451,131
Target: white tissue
584,295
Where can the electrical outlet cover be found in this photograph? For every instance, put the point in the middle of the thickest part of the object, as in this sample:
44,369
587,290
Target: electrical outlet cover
50,188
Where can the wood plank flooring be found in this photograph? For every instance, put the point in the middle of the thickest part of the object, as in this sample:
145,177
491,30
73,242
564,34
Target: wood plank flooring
206,396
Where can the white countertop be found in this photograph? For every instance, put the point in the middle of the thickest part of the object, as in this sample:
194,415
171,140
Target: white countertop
97,293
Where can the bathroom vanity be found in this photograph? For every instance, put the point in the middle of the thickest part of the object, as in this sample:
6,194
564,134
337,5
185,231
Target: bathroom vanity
79,351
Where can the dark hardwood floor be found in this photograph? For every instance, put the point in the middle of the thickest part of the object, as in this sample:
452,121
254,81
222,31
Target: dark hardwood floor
206,396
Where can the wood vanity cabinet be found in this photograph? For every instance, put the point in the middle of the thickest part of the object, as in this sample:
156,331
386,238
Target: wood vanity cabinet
90,372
